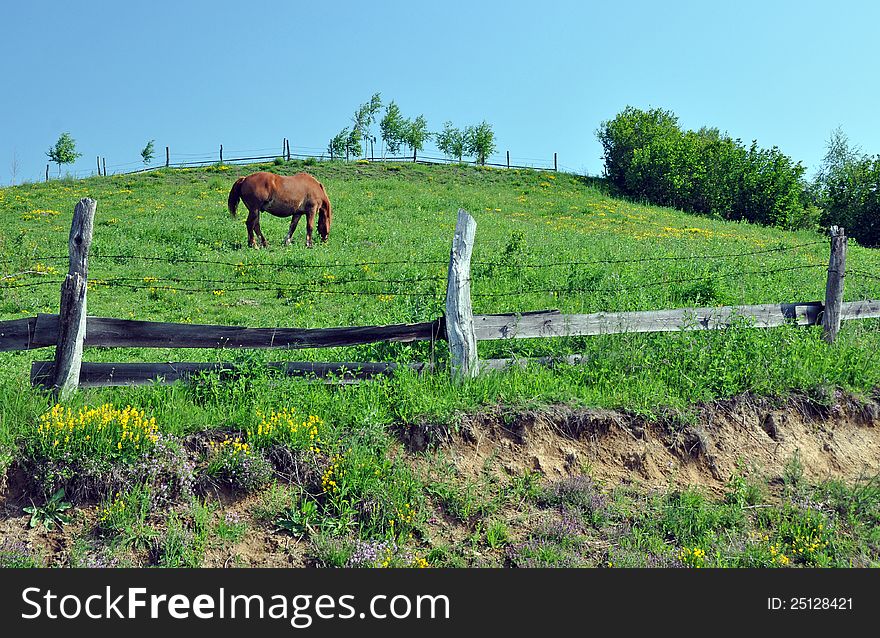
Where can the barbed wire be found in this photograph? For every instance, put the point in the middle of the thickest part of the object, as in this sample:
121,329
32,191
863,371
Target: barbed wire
220,286
31,284
862,273
558,264
238,264
242,264
275,289
665,282
270,285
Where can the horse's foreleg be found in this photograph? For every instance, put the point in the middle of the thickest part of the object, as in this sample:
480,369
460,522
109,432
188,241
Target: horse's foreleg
310,226
293,222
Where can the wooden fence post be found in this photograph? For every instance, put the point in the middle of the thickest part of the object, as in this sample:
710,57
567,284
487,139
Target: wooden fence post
104,162
834,285
459,312
167,157
554,162
221,153
98,159
508,159
47,172
72,314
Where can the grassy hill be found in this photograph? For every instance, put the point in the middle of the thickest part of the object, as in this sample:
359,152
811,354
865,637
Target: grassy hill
165,249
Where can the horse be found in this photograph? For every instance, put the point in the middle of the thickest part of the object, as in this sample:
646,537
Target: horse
282,196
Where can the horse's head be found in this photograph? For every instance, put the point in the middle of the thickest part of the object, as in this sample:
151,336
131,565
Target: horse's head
325,219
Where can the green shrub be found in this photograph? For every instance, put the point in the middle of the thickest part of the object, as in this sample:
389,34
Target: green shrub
648,157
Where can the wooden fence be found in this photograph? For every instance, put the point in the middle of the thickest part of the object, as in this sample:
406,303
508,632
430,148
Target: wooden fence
72,330
286,154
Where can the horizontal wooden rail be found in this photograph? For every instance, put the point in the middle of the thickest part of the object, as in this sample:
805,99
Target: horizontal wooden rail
552,323
42,331
18,334
108,332
123,374
118,374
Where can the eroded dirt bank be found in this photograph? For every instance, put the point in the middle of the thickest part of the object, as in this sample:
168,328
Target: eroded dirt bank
840,439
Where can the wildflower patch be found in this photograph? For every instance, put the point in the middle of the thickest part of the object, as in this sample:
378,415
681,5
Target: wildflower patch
105,432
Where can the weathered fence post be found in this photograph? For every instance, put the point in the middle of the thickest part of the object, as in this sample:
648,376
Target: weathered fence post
98,159
167,157
47,172
459,312
554,162
104,162
834,286
72,314
221,153
508,159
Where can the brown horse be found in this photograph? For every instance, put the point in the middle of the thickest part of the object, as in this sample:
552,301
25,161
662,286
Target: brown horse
282,196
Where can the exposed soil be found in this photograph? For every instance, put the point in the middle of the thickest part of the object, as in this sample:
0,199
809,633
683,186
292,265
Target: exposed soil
836,440
840,440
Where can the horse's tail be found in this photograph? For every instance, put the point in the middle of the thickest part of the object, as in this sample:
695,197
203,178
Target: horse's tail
234,196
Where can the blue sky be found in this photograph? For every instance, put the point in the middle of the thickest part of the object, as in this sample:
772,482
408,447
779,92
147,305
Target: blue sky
194,75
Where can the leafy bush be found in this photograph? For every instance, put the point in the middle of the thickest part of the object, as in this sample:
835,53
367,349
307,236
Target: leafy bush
848,189
234,463
90,450
649,157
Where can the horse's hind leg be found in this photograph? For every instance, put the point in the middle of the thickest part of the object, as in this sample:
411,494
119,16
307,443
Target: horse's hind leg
293,222
253,227
250,223
259,231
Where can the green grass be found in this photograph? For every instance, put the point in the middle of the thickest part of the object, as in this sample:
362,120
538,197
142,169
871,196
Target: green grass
394,223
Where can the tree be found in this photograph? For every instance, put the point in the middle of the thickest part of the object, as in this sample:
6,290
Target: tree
632,129
147,153
848,184
393,128
416,134
362,121
14,166
480,141
451,141
353,142
339,144
64,151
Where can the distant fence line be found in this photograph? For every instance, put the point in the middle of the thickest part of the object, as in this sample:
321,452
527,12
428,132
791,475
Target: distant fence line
288,155
71,330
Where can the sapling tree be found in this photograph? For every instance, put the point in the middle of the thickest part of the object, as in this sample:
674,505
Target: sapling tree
64,151
393,128
362,122
416,133
147,152
480,141
451,141
339,143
